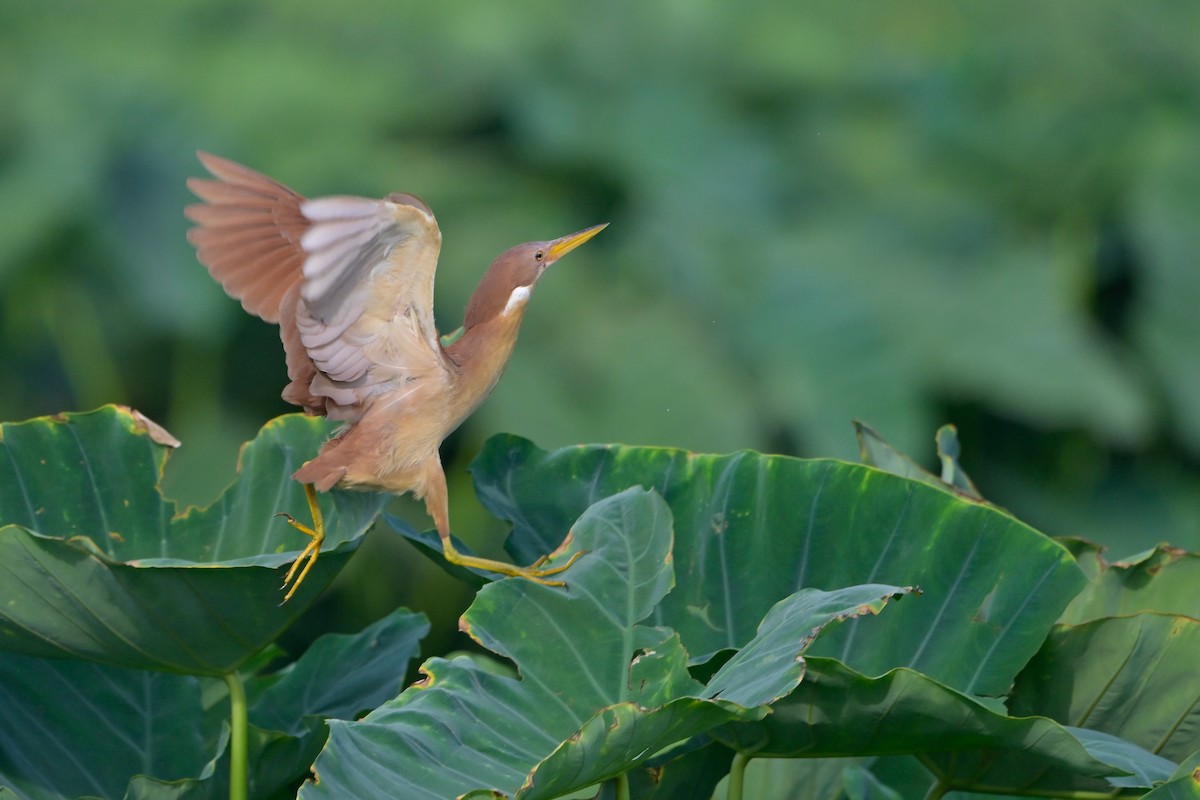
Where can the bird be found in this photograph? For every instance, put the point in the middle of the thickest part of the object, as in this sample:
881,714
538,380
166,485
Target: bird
349,280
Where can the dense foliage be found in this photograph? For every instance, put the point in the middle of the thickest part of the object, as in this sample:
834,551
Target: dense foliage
722,613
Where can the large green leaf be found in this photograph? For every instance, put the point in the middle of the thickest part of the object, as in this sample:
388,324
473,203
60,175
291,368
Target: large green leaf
751,529
839,712
1128,677
342,674
1144,769
95,563
597,694
71,728
1133,677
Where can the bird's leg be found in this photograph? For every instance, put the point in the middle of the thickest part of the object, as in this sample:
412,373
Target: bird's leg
534,572
308,556
437,504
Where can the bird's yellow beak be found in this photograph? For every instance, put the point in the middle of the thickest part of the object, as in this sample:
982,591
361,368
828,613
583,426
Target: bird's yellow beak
560,247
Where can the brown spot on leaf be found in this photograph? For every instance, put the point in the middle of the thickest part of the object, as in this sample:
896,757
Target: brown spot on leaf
566,544
426,680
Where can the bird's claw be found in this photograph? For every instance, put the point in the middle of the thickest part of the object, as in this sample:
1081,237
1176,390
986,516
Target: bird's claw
303,563
308,556
537,573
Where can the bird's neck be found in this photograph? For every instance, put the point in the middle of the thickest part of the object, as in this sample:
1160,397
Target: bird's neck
482,352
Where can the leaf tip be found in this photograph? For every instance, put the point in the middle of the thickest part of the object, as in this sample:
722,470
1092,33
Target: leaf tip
156,432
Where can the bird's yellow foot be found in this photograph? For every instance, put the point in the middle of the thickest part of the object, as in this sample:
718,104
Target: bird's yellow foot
308,556
534,572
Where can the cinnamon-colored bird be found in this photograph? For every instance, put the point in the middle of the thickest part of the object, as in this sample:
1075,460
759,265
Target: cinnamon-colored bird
350,282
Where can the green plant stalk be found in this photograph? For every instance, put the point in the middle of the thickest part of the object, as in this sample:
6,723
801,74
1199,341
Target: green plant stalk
237,736
937,790
737,775
623,786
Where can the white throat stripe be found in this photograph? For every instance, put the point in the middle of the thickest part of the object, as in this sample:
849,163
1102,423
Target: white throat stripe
517,298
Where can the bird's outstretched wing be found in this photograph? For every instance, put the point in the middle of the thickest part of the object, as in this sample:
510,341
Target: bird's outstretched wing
350,281
248,234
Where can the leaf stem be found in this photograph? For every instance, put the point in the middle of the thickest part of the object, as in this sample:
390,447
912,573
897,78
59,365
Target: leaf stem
737,775
237,736
623,786
937,790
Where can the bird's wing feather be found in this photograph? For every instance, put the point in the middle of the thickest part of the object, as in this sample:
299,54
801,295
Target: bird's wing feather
349,280
248,234
366,316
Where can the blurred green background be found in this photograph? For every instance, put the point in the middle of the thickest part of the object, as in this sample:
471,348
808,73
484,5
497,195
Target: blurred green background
917,213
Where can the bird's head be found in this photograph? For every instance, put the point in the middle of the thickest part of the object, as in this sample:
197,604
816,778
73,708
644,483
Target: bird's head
506,286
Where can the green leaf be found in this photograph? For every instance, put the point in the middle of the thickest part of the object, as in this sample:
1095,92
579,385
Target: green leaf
686,775
1145,768
861,784
597,694
797,779
949,451
1163,579
875,451
278,762
751,529
1132,677
792,623
765,670
342,674
1184,783
1128,677
837,712
70,728
95,563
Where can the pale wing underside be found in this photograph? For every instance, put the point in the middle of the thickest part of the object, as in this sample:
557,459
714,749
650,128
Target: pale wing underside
366,316
349,280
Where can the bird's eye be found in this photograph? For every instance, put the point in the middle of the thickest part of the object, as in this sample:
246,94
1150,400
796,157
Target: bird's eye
539,255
